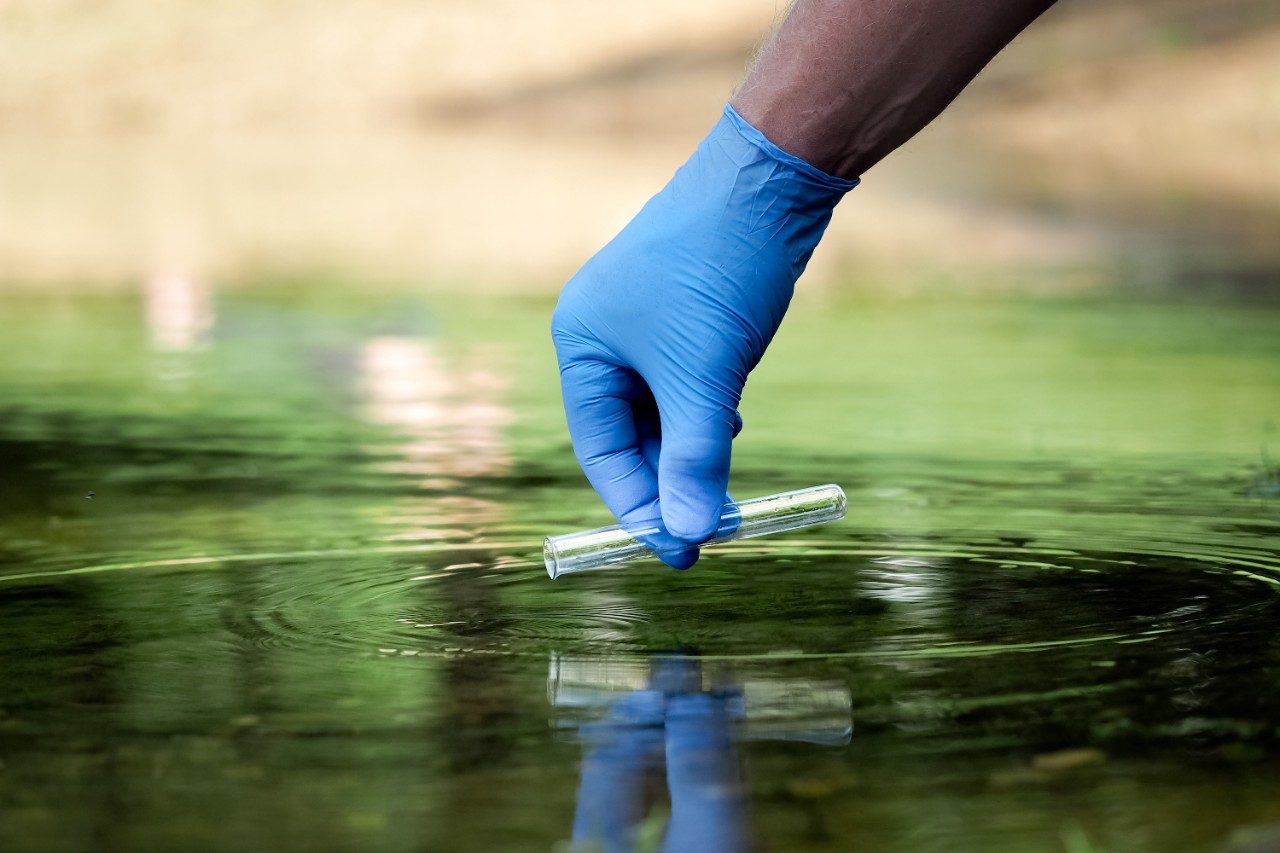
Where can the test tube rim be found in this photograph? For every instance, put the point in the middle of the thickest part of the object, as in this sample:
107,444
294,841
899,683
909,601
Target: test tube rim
551,557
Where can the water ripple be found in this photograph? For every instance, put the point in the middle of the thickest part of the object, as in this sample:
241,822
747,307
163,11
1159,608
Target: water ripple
799,599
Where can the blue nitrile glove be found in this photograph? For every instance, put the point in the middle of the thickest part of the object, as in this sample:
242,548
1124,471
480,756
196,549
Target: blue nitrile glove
665,323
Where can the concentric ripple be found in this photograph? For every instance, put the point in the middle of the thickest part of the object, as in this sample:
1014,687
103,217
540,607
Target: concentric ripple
800,597
790,599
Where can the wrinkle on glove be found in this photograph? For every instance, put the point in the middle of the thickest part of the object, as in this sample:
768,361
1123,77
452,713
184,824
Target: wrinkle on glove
657,333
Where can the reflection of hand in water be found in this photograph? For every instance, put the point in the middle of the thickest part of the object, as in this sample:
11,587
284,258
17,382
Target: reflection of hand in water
672,722
707,810
621,749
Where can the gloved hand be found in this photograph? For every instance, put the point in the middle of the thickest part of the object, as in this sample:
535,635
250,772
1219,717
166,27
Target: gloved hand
656,334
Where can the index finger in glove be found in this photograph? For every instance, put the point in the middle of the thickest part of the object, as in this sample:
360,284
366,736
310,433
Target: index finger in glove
600,401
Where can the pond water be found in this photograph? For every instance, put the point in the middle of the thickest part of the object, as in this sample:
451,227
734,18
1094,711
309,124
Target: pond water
270,576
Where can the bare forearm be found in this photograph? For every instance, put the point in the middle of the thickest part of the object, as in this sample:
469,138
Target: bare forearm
844,82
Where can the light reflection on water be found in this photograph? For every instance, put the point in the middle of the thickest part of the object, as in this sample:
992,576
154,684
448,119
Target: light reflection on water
449,424
306,603
179,311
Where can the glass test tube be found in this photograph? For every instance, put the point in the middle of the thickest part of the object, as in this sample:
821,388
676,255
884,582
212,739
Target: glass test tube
605,547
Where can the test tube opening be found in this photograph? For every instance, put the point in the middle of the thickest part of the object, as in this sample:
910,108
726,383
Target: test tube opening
550,558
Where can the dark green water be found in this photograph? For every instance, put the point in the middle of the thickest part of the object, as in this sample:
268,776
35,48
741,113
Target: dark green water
270,578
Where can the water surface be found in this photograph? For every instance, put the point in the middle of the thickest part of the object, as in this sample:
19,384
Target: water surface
270,577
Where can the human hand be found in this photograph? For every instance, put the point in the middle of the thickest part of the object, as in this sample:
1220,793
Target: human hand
656,334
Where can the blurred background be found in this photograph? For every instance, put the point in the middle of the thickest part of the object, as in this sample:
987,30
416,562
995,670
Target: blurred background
497,144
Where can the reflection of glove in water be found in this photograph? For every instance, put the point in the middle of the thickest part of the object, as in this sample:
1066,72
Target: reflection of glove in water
692,732
707,811
665,323
611,796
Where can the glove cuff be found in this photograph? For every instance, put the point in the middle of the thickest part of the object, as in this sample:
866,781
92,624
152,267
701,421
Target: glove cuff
808,170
